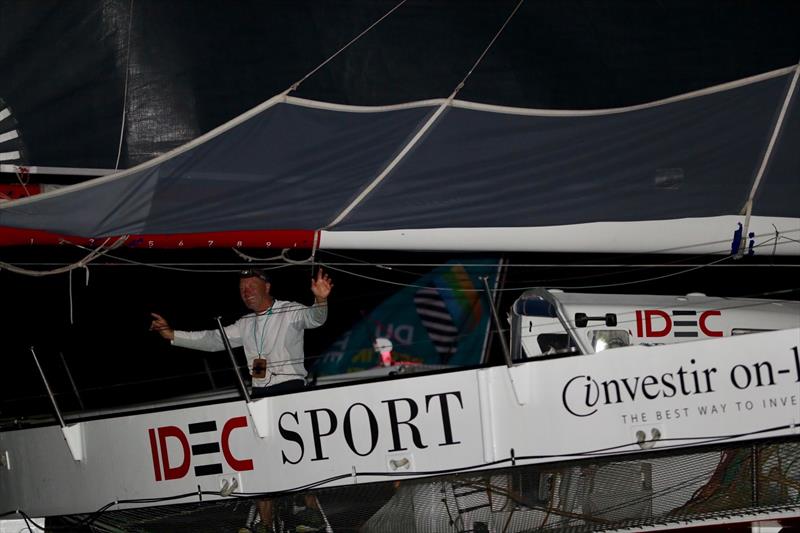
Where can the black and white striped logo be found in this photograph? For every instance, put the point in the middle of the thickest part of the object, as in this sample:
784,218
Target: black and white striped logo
11,151
438,322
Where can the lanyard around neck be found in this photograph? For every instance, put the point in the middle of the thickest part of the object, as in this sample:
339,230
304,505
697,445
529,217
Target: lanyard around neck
260,345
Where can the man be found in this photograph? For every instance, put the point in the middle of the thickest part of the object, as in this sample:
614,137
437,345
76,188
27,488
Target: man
272,335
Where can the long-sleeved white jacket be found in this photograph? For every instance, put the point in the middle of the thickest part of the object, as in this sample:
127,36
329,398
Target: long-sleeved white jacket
276,336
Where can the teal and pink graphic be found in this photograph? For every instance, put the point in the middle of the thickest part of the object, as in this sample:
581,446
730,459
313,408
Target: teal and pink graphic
442,318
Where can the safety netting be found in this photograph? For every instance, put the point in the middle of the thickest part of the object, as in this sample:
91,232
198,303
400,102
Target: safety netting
738,482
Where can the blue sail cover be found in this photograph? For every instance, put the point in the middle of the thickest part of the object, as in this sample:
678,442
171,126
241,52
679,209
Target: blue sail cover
293,164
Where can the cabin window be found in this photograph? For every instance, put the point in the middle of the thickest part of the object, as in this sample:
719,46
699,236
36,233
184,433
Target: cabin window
606,339
553,343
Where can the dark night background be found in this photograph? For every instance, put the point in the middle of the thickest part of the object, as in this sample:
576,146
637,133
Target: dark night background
193,65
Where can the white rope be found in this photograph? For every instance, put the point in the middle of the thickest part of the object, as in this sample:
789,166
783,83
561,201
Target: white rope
171,267
486,50
21,171
296,84
71,313
534,112
393,163
253,258
69,275
305,261
748,208
506,289
283,257
425,127
125,92
314,248
91,256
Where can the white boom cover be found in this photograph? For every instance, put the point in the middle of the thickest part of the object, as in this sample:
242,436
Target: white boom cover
676,175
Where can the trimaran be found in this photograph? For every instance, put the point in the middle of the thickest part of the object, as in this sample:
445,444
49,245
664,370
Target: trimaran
611,411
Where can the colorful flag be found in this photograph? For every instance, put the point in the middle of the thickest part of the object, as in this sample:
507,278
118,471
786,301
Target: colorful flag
442,318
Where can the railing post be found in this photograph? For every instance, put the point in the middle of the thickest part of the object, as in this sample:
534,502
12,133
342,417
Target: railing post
210,374
496,319
49,390
72,434
72,381
242,386
259,410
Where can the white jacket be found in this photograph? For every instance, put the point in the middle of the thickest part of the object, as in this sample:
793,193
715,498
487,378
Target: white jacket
276,336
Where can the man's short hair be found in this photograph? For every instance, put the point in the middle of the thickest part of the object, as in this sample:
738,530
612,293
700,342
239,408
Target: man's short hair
254,273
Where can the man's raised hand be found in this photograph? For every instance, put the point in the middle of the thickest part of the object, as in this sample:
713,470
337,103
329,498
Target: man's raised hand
321,286
162,327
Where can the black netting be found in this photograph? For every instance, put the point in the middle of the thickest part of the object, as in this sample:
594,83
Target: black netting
595,495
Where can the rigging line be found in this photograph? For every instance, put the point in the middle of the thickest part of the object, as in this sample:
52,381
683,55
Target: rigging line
618,284
289,262
237,266
768,154
177,269
174,377
251,258
114,386
296,84
486,50
125,91
686,248
420,133
218,371
632,268
306,261
274,100
646,280
390,266
629,270
397,283
23,171
91,256
506,289
355,260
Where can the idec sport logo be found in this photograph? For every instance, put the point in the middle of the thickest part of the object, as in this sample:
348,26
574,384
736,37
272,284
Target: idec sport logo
682,323
166,438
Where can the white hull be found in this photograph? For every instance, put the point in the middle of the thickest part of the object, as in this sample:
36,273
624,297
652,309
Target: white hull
467,420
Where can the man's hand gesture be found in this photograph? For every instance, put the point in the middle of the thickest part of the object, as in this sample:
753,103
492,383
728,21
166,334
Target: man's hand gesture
162,327
321,286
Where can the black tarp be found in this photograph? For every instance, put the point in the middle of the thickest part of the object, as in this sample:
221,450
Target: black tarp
180,68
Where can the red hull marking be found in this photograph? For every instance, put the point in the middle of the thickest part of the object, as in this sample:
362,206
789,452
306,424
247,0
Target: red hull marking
219,239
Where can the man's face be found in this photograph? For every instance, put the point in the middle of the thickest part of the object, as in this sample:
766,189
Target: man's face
255,293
